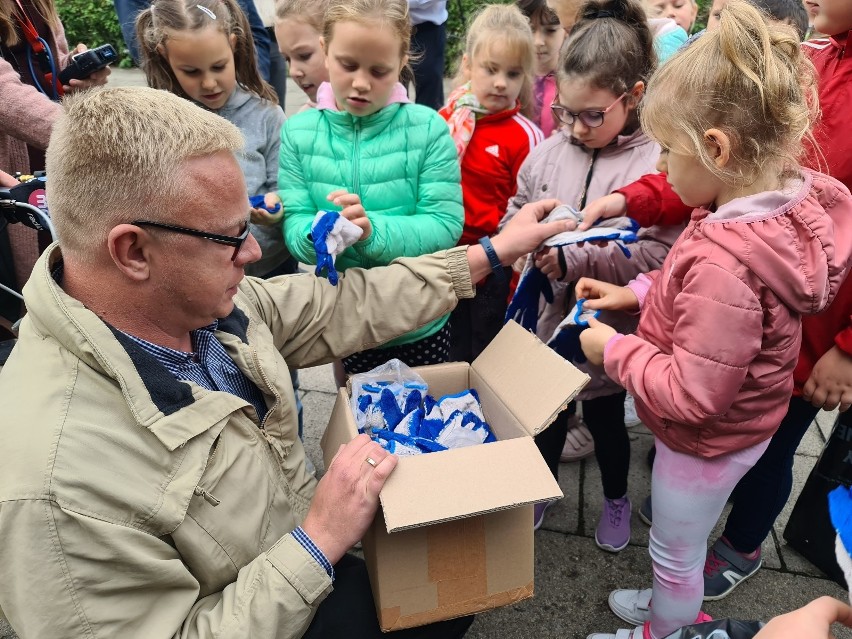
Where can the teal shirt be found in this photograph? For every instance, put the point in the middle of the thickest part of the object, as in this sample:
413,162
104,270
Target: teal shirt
403,164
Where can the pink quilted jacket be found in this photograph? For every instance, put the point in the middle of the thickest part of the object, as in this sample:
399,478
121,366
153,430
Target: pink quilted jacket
711,363
26,116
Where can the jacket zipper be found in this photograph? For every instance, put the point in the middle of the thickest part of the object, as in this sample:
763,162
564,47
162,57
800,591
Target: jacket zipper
208,497
356,156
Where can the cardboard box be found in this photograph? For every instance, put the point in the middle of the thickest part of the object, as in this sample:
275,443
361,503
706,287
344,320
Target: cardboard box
454,534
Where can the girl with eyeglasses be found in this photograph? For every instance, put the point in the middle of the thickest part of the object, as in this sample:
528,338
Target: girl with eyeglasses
603,69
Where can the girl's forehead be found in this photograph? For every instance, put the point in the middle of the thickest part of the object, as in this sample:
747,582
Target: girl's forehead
494,47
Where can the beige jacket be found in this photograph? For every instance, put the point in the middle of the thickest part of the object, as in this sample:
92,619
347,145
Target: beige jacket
134,505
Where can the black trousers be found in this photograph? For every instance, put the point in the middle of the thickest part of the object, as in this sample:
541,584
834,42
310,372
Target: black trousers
428,44
350,613
763,491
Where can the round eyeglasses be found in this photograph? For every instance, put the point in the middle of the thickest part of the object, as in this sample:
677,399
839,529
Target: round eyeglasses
591,119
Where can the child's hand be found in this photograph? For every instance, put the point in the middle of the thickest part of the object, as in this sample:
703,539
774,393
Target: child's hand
352,210
604,296
812,621
263,217
612,205
593,340
830,383
547,261
7,181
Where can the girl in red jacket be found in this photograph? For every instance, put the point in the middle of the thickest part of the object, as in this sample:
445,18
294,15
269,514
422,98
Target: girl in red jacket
710,365
492,138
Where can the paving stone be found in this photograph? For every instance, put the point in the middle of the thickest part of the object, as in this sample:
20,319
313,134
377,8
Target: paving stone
318,378
825,422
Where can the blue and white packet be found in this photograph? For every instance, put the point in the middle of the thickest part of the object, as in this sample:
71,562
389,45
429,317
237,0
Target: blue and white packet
332,234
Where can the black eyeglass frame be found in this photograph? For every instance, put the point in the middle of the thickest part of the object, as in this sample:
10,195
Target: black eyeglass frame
559,111
230,240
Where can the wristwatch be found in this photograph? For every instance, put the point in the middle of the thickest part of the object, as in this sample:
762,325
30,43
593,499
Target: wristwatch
491,254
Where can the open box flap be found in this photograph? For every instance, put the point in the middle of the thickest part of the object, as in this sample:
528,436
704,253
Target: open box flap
532,380
452,484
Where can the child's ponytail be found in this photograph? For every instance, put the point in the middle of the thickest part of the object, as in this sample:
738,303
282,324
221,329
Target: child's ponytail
749,79
611,46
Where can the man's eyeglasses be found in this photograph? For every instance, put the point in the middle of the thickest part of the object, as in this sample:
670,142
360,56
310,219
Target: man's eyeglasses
592,119
230,240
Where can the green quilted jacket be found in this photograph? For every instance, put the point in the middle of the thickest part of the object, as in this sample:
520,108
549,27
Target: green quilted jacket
403,164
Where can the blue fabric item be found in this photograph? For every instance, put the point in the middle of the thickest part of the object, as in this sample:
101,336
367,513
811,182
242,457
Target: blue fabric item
325,261
421,443
625,234
840,509
524,305
566,342
259,202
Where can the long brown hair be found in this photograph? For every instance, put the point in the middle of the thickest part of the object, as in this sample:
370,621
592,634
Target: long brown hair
9,24
163,16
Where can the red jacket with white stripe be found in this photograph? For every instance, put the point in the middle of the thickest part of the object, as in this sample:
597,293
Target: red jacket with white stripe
499,145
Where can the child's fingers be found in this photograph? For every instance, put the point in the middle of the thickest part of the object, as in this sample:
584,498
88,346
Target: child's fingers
335,194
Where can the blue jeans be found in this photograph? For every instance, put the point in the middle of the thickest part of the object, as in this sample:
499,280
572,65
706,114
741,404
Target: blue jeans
128,9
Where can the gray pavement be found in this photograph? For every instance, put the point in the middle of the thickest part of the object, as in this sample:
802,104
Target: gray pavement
573,577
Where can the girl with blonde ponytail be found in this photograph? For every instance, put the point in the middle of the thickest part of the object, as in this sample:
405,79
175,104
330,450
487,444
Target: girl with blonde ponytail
711,364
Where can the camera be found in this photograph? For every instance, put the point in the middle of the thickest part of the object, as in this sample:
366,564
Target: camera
84,64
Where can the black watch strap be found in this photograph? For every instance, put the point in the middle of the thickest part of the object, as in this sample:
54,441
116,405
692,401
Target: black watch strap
493,259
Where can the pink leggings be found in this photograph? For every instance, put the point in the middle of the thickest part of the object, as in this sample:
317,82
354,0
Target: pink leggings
688,495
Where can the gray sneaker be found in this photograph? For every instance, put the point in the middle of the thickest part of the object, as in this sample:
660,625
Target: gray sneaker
725,569
645,513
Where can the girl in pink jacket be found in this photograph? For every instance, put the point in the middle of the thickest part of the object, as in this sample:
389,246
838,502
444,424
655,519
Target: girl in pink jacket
711,363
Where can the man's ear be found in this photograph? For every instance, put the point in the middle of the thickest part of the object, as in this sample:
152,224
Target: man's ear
129,248
719,146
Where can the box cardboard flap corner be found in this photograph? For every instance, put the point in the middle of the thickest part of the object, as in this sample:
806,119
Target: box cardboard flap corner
454,534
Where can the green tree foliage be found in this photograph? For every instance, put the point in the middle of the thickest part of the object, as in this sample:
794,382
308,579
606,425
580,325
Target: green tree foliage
92,22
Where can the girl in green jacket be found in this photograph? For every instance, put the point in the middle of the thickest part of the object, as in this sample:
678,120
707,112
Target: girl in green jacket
388,165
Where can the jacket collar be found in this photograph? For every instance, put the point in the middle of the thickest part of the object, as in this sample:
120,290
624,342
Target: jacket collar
171,410
327,101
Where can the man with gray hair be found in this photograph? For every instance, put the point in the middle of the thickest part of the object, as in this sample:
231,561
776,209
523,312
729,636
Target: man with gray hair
154,484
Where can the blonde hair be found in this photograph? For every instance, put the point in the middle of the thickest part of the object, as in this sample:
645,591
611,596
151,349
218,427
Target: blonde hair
748,79
311,12
116,154
9,29
391,13
506,26
163,16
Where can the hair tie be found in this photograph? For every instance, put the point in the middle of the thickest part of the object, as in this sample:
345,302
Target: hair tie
604,13
593,14
209,13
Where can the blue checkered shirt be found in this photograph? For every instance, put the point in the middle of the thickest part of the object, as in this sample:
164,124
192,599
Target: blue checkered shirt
211,367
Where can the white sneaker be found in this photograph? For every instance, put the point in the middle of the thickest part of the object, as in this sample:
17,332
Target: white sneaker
631,419
635,633
633,606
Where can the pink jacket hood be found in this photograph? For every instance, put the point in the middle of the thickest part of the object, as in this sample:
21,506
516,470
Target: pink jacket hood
711,363
777,247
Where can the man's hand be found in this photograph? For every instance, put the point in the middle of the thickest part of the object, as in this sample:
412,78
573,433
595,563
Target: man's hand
812,621
352,210
97,78
603,296
347,496
593,340
830,383
612,205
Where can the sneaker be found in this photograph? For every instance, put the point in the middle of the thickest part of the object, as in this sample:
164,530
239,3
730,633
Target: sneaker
578,442
613,531
538,513
645,513
634,607
725,569
640,632
631,419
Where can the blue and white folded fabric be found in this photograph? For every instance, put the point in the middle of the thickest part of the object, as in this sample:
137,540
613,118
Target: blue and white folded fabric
621,230
259,202
566,338
394,416
332,234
